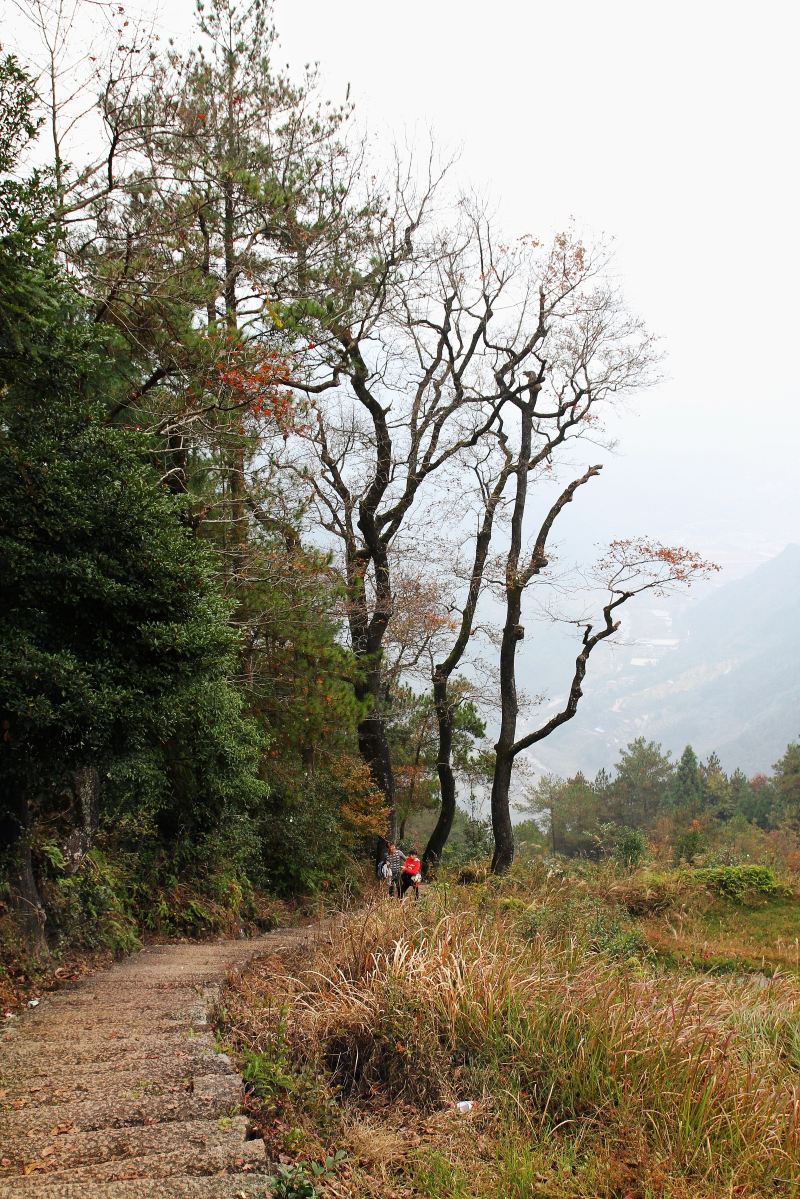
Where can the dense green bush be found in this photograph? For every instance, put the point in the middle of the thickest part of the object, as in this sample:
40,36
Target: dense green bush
739,882
120,718
688,846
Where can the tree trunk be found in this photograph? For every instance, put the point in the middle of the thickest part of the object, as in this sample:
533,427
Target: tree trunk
374,749
447,782
86,793
236,470
26,903
509,706
367,639
373,745
176,458
501,817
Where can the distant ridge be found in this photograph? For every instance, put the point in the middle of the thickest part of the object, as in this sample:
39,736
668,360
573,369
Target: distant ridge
731,684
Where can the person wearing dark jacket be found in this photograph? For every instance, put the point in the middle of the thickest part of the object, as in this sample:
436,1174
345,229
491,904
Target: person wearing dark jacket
394,860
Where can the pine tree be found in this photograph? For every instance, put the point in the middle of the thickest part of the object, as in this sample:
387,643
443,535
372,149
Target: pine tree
787,785
115,644
640,785
718,798
686,787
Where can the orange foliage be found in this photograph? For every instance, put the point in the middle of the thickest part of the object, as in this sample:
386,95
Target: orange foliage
566,263
256,383
363,809
639,564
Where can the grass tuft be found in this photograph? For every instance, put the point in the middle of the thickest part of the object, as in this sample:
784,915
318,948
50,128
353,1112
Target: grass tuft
593,1069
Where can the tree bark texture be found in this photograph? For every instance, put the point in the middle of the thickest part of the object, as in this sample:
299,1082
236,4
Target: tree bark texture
373,743
509,706
502,828
23,891
447,782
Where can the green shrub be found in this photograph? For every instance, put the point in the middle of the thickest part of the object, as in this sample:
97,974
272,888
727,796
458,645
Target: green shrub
269,1074
297,1181
88,908
688,846
580,921
631,847
613,935
739,882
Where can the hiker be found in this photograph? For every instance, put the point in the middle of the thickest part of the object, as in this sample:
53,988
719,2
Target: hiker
395,859
383,871
411,874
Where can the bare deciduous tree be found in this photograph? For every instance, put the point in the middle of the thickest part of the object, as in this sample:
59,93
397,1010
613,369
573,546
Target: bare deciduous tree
399,395
557,349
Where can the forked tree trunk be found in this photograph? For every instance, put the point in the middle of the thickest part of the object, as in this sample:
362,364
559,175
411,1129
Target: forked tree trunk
519,573
509,705
445,711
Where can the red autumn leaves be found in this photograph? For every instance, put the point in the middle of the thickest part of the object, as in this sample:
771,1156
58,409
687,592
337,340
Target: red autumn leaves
254,380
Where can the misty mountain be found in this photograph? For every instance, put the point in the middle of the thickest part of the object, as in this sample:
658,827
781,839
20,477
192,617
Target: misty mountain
719,674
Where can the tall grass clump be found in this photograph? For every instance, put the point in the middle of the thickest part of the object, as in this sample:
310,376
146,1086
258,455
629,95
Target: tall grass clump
558,1037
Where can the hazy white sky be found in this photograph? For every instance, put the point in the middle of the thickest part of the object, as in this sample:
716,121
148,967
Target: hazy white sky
672,128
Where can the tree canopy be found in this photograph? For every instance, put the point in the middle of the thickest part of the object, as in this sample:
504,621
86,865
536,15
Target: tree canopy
278,431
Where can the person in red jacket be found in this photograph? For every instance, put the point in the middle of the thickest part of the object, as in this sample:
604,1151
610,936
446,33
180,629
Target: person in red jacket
411,874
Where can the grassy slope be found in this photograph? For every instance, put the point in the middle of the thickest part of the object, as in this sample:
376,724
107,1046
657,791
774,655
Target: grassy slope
571,1009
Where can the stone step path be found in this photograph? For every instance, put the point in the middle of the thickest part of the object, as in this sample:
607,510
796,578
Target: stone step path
115,1089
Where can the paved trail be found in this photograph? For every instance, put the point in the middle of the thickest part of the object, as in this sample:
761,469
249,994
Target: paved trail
113,1089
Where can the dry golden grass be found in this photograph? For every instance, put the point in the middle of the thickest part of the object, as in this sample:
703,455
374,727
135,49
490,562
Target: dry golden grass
594,1071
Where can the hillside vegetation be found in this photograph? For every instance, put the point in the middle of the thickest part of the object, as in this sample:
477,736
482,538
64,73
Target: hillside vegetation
627,1035
244,370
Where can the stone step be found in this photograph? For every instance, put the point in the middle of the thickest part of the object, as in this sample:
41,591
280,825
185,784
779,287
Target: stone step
68,1030
234,1157
30,1035
63,1080
113,1088
152,980
107,996
68,1150
185,957
113,998
211,1096
31,1055
196,1186
174,950
105,992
